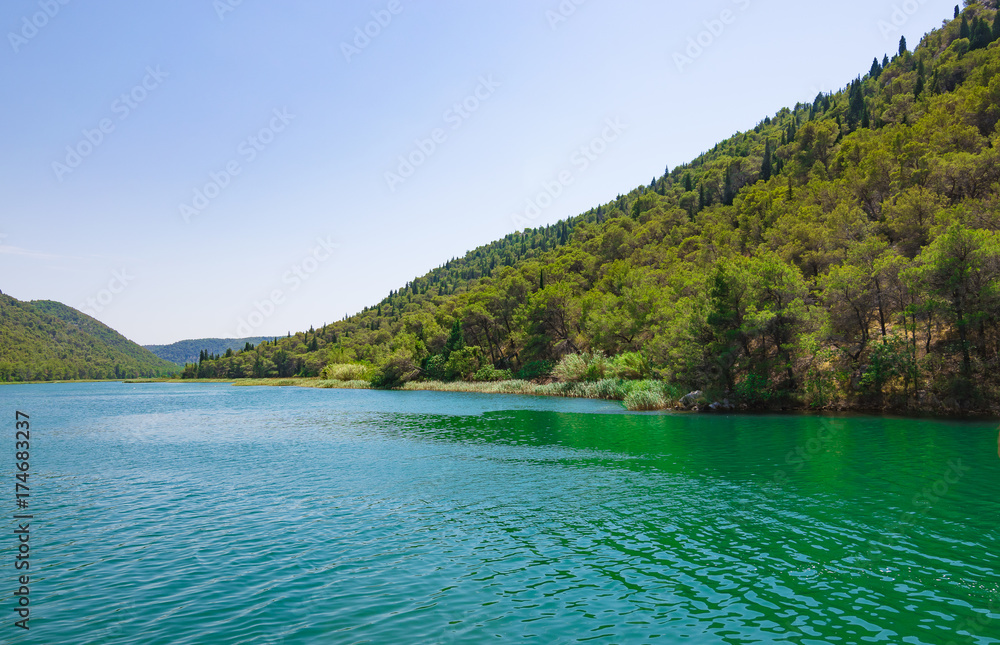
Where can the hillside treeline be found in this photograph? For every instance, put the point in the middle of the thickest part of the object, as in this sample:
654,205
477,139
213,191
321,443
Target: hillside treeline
844,252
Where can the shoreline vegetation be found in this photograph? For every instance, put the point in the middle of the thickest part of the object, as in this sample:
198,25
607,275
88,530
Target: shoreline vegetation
635,396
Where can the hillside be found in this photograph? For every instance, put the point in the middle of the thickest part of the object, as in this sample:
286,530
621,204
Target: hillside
843,253
189,351
45,341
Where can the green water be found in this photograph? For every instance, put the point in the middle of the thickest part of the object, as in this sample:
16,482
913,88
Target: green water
171,513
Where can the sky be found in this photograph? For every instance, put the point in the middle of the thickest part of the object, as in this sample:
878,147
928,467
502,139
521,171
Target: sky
232,168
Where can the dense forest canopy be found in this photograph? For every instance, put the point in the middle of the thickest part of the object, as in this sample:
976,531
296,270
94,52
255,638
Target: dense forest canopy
844,251
45,341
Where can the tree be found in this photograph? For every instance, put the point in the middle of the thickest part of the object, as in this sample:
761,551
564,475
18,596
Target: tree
876,69
765,168
981,34
996,26
757,306
956,11
962,268
902,45
455,340
963,31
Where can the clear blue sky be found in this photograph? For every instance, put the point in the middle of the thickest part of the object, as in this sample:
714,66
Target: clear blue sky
117,111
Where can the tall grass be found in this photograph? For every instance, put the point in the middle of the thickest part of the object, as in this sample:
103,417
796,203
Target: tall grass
635,395
345,372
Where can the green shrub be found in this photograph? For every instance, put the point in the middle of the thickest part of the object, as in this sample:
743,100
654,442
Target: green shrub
535,370
463,363
434,367
395,372
574,368
344,372
571,369
488,373
754,391
630,365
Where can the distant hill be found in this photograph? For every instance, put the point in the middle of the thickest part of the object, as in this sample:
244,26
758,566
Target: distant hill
187,351
44,340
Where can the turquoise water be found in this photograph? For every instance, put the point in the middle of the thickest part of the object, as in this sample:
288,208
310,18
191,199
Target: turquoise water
172,513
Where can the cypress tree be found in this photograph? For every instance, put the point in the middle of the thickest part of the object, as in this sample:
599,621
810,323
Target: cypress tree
996,26
956,11
963,31
765,168
902,45
981,34
885,61
687,183
876,69
727,189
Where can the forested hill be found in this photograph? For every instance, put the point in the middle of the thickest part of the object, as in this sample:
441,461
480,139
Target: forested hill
44,341
190,351
842,252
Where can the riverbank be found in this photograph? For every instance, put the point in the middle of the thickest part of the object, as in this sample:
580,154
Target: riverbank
634,395
652,396
638,396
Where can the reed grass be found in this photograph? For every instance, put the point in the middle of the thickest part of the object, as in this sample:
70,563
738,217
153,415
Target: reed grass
635,395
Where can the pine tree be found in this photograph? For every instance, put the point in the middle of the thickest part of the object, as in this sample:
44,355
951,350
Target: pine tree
981,34
765,168
855,105
902,45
